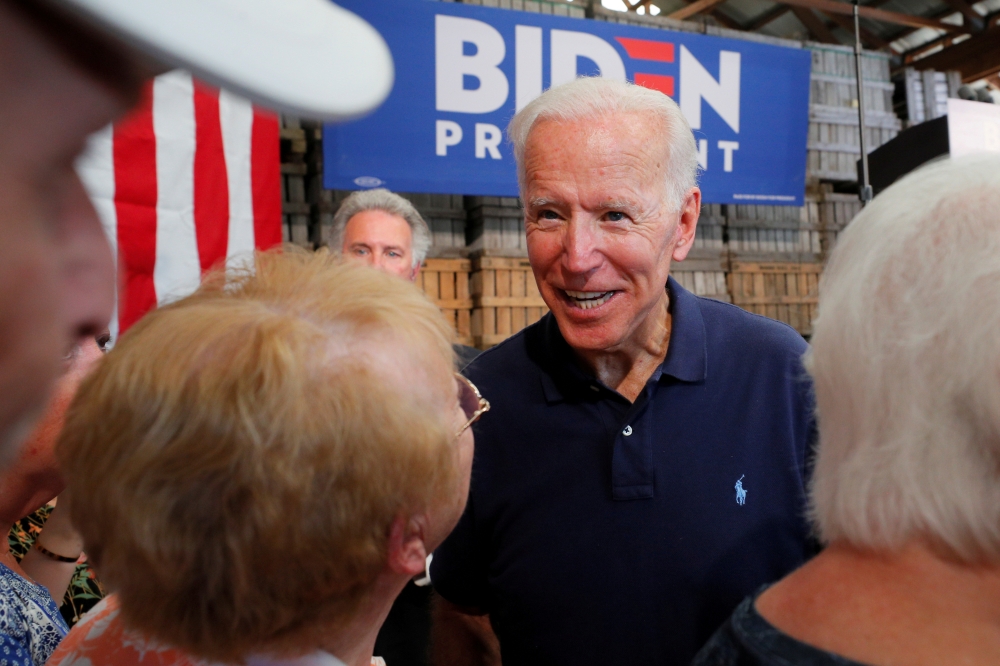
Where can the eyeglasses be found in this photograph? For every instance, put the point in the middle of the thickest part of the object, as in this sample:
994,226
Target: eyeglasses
472,402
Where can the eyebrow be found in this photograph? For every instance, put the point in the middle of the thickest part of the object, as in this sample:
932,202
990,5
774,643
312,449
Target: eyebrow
368,246
623,205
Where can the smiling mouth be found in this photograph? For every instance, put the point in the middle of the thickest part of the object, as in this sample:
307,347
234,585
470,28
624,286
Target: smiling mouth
585,300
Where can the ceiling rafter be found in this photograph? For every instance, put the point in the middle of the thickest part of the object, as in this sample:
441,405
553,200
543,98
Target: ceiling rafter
781,9
970,17
815,25
868,38
696,7
976,57
875,14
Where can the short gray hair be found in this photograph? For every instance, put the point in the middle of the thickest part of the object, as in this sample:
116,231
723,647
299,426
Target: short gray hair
589,97
906,361
387,202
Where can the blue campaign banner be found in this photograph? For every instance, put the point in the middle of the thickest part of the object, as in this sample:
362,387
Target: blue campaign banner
462,71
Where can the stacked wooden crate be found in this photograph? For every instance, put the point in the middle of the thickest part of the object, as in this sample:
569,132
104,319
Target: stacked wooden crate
703,272
495,223
446,282
505,296
834,145
445,215
776,257
295,210
923,95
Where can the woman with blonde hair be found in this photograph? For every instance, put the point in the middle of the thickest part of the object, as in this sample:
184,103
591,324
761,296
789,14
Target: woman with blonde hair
261,467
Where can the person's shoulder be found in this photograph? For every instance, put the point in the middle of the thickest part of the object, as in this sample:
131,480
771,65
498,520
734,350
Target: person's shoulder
746,638
512,358
100,639
730,326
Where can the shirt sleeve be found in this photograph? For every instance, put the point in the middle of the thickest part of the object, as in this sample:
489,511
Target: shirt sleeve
13,652
458,570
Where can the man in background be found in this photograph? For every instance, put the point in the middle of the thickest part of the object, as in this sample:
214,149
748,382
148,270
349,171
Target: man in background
67,69
384,230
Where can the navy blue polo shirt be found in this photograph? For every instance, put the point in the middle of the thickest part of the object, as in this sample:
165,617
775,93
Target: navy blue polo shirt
599,531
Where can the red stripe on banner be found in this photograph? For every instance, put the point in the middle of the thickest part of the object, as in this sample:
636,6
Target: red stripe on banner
135,205
265,174
211,184
645,49
665,84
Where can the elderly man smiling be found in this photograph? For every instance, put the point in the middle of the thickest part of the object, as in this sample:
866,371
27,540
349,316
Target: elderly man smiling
644,467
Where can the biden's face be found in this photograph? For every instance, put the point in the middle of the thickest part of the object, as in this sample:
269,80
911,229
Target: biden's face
601,233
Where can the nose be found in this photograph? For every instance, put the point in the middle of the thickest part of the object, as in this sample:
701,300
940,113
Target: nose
581,252
86,265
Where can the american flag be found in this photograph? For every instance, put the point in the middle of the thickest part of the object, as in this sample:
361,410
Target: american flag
189,179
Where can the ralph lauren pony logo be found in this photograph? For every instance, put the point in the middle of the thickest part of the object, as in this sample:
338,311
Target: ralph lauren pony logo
741,493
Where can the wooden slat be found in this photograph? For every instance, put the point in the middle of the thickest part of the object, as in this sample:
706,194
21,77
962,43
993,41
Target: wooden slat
834,7
696,7
976,58
815,25
454,304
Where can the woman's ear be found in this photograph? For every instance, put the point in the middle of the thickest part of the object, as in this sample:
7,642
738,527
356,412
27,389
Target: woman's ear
407,550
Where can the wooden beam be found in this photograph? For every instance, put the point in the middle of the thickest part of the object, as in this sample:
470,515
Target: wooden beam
976,58
970,17
696,7
868,38
815,25
834,7
909,57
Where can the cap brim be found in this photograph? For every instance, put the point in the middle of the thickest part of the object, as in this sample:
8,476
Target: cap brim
310,58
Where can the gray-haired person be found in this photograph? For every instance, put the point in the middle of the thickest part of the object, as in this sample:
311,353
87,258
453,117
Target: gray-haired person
605,524
382,229
906,489
385,231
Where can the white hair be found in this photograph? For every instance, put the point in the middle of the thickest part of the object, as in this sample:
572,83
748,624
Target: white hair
593,97
906,361
387,202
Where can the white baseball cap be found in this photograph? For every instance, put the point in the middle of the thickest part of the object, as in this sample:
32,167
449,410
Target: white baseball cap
309,58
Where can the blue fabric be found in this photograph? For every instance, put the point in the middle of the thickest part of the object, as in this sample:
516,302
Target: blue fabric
747,639
30,623
587,545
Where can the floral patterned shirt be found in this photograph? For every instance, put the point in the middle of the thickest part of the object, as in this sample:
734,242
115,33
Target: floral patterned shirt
30,624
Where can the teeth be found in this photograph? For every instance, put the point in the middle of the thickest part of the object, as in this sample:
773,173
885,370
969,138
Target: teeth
586,300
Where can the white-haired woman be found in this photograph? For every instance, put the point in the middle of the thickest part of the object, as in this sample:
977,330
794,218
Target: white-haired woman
906,488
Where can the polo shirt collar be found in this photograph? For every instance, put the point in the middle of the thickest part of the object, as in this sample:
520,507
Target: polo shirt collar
687,355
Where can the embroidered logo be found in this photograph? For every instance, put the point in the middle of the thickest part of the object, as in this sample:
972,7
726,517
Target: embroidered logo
741,493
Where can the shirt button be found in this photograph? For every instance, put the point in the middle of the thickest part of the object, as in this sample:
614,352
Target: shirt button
627,431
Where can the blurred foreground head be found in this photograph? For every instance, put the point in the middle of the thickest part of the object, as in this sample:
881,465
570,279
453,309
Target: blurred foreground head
906,361
258,461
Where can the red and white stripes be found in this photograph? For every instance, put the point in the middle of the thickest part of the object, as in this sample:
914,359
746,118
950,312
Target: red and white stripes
191,178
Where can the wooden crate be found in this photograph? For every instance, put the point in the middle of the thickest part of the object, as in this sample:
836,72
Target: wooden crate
505,298
703,273
788,292
495,223
446,282
295,210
